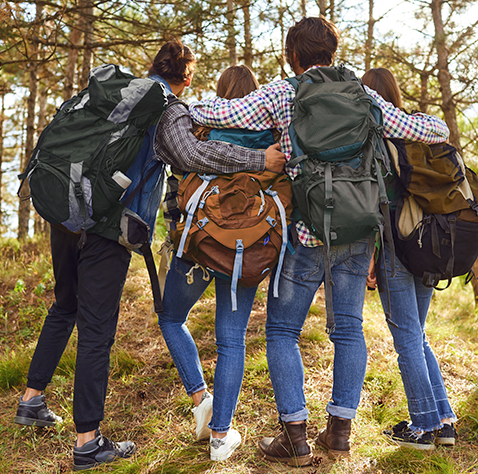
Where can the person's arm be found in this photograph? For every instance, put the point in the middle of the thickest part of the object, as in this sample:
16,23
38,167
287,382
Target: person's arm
417,127
262,109
176,145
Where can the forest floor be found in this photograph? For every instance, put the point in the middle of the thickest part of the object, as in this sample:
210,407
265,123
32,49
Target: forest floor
147,403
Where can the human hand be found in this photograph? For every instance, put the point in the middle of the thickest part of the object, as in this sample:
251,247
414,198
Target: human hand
371,277
275,159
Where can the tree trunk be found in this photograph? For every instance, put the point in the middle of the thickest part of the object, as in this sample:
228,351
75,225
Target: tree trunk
322,7
423,104
303,7
247,34
24,205
444,76
39,223
231,33
2,115
75,38
369,40
88,26
282,58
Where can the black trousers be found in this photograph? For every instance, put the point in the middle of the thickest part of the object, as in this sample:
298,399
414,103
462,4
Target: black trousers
88,287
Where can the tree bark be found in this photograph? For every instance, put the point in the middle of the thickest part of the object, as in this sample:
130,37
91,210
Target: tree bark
88,26
75,38
231,33
2,115
247,34
444,76
24,204
322,7
303,7
423,103
369,40
40,224
282,58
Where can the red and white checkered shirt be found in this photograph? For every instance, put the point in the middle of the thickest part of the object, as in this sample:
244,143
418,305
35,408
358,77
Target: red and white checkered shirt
271,106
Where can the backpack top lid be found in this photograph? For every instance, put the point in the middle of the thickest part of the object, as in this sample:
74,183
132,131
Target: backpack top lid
333,115
118,96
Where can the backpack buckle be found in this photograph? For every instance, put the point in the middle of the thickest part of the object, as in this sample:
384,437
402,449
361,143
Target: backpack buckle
329,203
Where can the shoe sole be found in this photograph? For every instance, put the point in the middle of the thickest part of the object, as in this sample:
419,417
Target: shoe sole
445,441
421,447
227,455
21,420
332,454
299,461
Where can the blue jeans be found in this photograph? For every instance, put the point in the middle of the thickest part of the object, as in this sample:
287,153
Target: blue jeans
422,380
179,298
301,276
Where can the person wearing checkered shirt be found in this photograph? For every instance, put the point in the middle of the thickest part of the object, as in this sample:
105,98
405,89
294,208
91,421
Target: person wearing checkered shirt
312,42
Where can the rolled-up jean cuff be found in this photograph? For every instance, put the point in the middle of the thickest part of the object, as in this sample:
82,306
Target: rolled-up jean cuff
301,415
197,388
341,412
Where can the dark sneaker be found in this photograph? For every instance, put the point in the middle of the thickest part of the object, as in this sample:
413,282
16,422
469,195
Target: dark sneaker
446,436
99,451
398,428
411,439
36,413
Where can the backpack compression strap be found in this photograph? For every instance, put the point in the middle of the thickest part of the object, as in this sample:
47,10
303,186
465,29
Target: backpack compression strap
283,219
191,207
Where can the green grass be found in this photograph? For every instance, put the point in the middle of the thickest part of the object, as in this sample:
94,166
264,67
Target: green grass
146,401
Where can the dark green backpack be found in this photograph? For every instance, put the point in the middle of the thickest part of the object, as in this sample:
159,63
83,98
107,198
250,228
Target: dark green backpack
77,170
94,135
337,140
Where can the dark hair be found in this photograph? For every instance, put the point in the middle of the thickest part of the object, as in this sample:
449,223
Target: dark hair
383,81
313,40
174,62
236,82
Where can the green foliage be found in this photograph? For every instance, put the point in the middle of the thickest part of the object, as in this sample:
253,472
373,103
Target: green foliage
13,368
123,363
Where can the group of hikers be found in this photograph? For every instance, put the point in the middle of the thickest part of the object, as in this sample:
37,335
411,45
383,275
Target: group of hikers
90,280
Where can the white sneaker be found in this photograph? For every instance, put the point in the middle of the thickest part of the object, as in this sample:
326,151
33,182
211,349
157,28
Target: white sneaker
202,415
221,449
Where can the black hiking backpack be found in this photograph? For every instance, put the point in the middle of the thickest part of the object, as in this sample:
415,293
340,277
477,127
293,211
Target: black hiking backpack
436,222
77,172
337,140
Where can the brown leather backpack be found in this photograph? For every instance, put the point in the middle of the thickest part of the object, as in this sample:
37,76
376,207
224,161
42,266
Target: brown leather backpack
234,224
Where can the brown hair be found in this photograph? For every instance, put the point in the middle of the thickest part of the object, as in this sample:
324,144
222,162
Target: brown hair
236,82
314,41
174,62
383,81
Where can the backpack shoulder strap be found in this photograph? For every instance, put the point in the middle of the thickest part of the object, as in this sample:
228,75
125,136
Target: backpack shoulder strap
294,81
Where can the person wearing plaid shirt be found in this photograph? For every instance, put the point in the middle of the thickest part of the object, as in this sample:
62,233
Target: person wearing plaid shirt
312,42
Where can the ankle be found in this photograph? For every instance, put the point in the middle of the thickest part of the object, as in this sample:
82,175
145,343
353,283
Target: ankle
30,393
216,435
83,438
197,396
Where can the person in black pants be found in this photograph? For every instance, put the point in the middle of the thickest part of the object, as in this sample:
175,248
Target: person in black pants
89,282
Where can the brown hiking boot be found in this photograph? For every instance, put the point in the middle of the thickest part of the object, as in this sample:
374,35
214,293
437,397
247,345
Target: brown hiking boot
335,438
289,447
